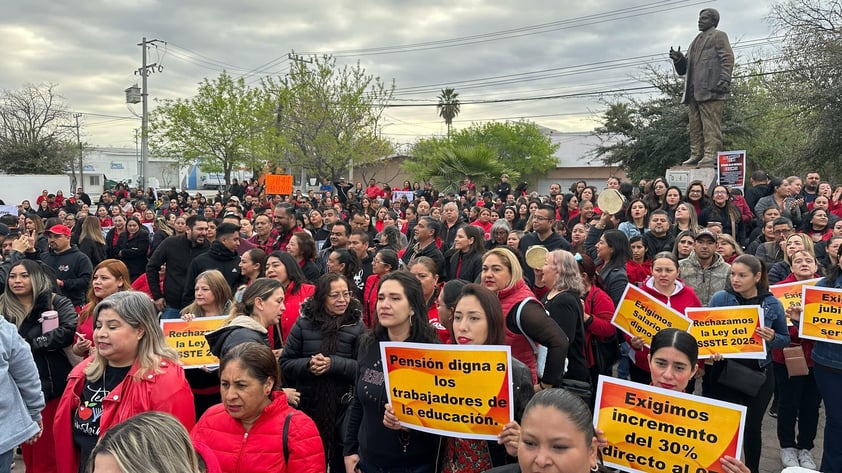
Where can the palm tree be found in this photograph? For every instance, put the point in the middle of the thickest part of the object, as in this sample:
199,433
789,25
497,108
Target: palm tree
448,106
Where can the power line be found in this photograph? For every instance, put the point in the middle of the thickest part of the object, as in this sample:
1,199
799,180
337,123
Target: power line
576,22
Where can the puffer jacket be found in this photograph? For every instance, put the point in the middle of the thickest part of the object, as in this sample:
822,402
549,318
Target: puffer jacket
260,449
47,348
242,329
23,403
305,340
165,391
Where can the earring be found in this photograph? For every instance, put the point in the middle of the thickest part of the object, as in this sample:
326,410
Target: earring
595,467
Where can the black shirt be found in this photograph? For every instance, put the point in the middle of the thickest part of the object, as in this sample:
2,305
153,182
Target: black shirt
88,414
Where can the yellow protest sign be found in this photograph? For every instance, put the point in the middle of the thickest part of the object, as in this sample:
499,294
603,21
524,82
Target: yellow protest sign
188,339
822,316
641,315
729,331
790,293
652,429
462,391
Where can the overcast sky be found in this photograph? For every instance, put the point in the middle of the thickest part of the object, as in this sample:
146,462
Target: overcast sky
485,49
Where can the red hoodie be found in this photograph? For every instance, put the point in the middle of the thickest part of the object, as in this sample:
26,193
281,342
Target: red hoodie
682,298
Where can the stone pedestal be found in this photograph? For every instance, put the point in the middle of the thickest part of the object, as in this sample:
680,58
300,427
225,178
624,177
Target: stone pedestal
681,176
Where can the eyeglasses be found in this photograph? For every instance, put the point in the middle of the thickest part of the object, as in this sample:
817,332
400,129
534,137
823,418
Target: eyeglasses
340,295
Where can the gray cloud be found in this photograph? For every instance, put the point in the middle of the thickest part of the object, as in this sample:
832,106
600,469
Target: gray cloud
88,48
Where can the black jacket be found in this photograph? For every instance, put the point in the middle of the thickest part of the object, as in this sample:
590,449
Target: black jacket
431,250
177,253
134,252
95,251
52,363
470,269
217,257
74,270
305,340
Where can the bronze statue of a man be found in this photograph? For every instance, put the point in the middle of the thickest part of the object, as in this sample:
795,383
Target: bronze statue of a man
708,66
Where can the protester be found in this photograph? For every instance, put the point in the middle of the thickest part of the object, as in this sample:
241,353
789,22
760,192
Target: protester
827,360
133,371
110,276
424,268
133,247
91,241
384,262
466,262
280,439
282,267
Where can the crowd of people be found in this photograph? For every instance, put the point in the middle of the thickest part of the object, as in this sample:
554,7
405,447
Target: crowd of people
310,284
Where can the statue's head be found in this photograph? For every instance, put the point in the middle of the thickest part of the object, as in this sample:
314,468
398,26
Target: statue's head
707,18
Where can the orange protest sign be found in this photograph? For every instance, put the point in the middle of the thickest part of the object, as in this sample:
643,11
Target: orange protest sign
641,315
652,429
454,390
188,339
729,331
822,316
278,184
790,293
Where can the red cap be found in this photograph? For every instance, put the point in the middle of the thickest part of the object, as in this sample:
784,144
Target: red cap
59,230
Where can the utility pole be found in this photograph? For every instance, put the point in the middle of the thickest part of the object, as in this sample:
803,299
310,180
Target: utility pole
144,72
81,182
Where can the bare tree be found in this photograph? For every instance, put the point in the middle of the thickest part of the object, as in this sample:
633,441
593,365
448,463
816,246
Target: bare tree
33,131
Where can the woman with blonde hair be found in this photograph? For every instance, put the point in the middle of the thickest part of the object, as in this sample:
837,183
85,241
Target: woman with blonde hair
728,248
28,294
795,242
133,371
91,242
685,218
525,317
162,231
109,276
126,447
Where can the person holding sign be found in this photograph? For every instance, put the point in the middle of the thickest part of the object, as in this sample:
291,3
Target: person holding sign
525,317
798,395
371,445
557,434
212,297
133,371
673,359
320,358
664,286
478,320
749,286
827,359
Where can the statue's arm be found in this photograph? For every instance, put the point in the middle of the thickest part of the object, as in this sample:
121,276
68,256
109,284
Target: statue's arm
726,59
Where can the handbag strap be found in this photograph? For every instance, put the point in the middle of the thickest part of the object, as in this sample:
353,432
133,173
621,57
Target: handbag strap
520,327
285,438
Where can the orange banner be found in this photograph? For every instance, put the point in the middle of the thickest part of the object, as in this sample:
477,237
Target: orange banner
651,429
729,331
278,184
822,316
641,315
188,339
790,293
462,391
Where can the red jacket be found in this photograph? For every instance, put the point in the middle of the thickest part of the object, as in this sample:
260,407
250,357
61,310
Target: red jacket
370,300
292,305
598,304
682,298
261,448
166,391
638,272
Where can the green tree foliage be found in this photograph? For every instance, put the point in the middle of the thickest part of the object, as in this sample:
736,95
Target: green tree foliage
328,118
223,126
448,107
811,79
519,148
448,165
34,137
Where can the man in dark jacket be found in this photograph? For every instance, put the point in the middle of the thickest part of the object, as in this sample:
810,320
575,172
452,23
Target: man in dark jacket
177,253
542,235
221,256
72,267
426,232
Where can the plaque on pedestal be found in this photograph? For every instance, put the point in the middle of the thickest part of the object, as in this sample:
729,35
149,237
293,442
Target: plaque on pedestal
682,176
